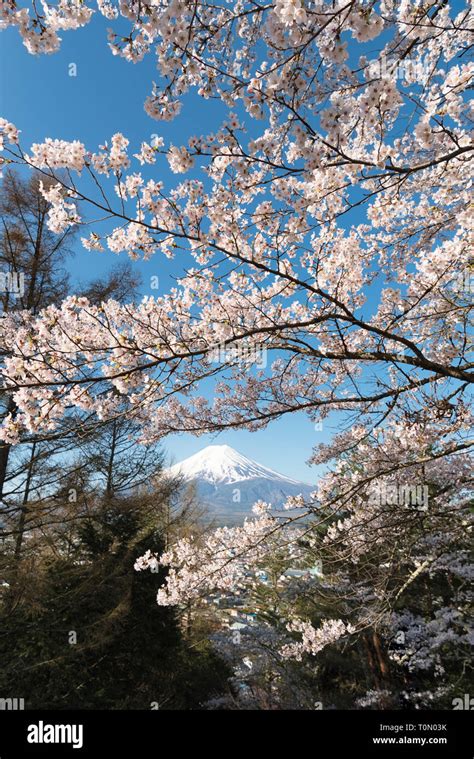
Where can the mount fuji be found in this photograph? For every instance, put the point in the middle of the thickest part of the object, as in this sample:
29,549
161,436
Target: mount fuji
229,483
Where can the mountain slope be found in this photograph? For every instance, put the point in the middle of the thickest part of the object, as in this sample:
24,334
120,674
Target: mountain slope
230,483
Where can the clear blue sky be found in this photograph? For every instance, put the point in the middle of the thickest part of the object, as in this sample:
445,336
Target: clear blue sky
107,96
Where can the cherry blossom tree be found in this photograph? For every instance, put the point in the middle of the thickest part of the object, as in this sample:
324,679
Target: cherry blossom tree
323,226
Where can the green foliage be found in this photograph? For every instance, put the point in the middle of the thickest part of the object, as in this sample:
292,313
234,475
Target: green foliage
95,637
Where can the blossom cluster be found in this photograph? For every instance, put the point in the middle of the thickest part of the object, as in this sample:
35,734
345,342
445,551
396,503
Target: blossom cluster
58,154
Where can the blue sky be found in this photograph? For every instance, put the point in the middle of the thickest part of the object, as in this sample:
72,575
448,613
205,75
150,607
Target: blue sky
107,96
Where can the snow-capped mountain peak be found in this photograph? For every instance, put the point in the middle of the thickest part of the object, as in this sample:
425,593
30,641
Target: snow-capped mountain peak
221,464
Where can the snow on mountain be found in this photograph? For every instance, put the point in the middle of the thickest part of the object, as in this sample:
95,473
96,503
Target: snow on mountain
230,483
223,464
